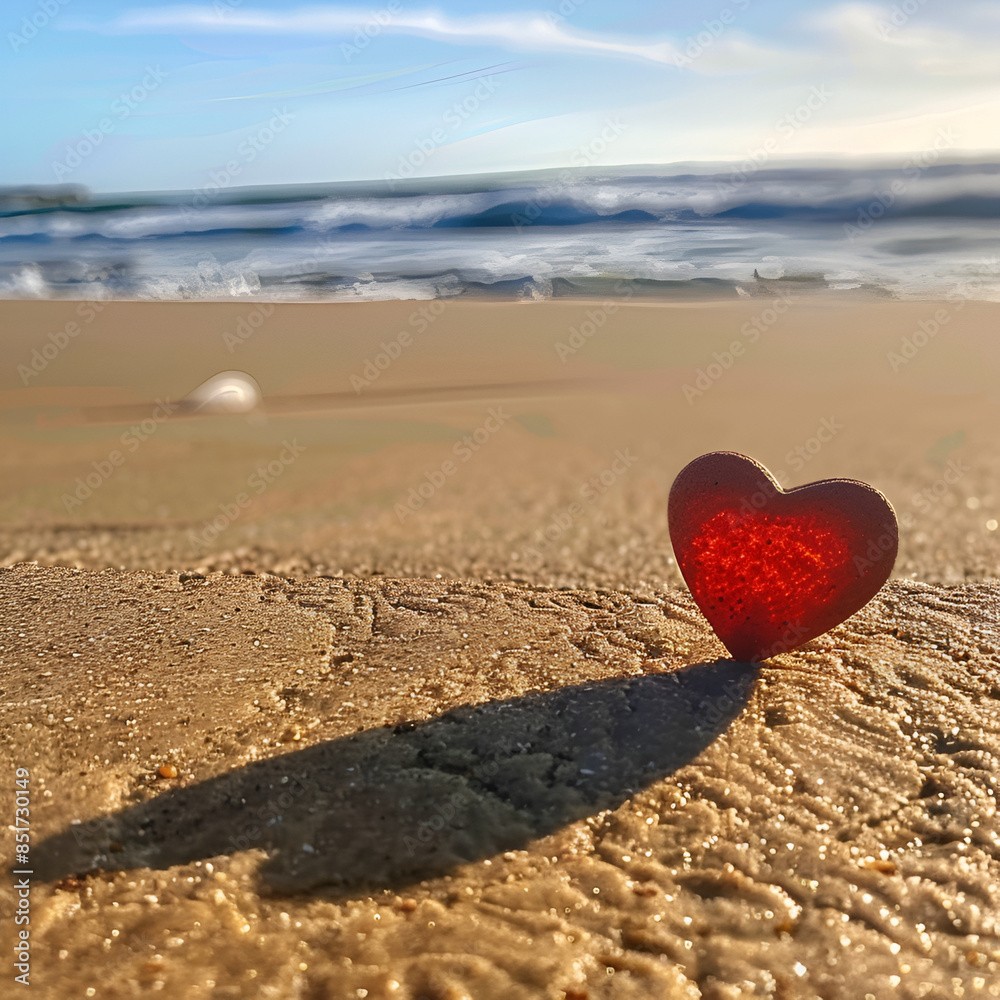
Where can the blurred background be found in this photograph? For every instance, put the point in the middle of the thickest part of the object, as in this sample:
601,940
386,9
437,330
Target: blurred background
516,240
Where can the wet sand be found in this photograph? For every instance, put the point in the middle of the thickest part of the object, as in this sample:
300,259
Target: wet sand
558,788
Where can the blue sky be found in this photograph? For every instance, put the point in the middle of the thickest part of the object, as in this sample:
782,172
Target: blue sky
123,96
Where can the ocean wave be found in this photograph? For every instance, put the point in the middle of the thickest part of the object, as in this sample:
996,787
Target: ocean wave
26,282
806,195
908,234
209,280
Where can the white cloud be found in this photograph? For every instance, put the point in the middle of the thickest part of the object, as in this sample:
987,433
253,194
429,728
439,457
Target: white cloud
893,91
886,41
531,31
737,53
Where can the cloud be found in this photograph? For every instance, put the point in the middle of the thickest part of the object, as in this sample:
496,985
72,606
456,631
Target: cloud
525,30
737,53
891,42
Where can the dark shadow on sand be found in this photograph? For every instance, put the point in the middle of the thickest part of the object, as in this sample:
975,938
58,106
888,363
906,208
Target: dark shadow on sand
388,807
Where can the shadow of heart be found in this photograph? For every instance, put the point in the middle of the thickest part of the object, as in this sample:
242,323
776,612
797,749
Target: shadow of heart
387,807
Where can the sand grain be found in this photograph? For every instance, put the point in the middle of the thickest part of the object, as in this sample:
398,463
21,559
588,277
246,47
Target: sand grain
554,793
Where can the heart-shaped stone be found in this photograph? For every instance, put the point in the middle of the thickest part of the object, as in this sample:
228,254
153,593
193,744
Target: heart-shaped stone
772,569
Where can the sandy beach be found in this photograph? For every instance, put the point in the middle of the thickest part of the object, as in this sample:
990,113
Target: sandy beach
816,394
391,688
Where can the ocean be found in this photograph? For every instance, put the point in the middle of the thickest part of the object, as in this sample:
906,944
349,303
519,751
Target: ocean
918,230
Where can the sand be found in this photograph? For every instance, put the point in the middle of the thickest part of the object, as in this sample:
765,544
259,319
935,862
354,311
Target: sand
922,434
559,789
443,789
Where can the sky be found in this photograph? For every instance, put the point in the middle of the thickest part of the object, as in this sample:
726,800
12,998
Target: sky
120,96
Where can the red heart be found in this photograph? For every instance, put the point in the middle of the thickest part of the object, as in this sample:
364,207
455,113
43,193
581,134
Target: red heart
772,569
